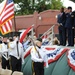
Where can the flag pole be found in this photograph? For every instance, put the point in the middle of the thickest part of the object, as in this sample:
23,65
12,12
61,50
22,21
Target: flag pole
32,34
15,23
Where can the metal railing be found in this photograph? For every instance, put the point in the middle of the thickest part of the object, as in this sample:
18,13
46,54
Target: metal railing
49,33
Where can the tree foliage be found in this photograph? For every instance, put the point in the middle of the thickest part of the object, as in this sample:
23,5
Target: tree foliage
29,6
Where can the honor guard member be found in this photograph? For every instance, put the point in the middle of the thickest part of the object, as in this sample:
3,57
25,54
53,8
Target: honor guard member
38,57
16,54
5,55
70,26
61,27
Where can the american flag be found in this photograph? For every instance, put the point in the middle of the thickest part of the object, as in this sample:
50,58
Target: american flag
6,15
7,27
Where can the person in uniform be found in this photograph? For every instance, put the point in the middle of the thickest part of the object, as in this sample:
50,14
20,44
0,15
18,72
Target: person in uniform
38,56
16,54
61,27
70,26
5,55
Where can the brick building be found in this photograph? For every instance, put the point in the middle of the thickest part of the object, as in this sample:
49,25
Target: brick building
42,21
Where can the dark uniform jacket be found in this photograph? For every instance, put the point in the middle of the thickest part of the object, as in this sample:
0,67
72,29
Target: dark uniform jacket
70,18
61,18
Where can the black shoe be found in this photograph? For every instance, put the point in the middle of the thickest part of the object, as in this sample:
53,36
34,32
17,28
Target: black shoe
71,45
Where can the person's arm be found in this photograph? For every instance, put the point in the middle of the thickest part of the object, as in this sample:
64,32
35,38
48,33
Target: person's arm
33,56
58,20
4,50
63,18
22,53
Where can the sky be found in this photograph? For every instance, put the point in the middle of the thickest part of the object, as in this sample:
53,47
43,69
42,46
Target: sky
67,3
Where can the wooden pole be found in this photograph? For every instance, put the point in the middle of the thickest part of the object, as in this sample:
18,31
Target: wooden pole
14,23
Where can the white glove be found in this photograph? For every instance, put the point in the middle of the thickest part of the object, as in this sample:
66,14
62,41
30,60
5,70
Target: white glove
41,60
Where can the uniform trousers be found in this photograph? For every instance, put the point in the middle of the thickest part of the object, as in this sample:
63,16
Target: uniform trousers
70,33
16,64
62,35
5,63
38,68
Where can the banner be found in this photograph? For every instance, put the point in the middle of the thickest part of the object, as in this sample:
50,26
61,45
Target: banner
71,58
53,52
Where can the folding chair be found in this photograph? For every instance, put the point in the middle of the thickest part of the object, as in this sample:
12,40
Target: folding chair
17,73
6,72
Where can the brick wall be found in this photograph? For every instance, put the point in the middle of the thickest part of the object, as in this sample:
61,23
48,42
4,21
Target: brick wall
42,21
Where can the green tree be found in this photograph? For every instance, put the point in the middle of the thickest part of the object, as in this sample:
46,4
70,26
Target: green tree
29,6
48,4
56,4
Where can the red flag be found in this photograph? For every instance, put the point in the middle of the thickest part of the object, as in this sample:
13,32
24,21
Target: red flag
24,34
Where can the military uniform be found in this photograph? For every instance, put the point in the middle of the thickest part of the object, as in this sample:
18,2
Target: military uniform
39,57
70,18
62,30
5,57
16,55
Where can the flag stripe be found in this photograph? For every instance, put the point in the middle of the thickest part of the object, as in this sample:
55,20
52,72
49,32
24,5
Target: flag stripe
6,16
6,27
24,34
7,11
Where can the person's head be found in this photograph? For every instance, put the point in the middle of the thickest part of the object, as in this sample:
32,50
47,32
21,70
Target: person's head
69,9
39,42
14,37
4,39
10,39
62,9
55,41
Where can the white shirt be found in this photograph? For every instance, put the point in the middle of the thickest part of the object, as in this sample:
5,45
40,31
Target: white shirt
13,50
35,56
3,49
5,54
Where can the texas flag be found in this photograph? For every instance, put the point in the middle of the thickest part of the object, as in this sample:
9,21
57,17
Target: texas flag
24,33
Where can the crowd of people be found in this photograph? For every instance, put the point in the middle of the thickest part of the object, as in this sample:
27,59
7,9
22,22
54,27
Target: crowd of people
11,52
66,26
